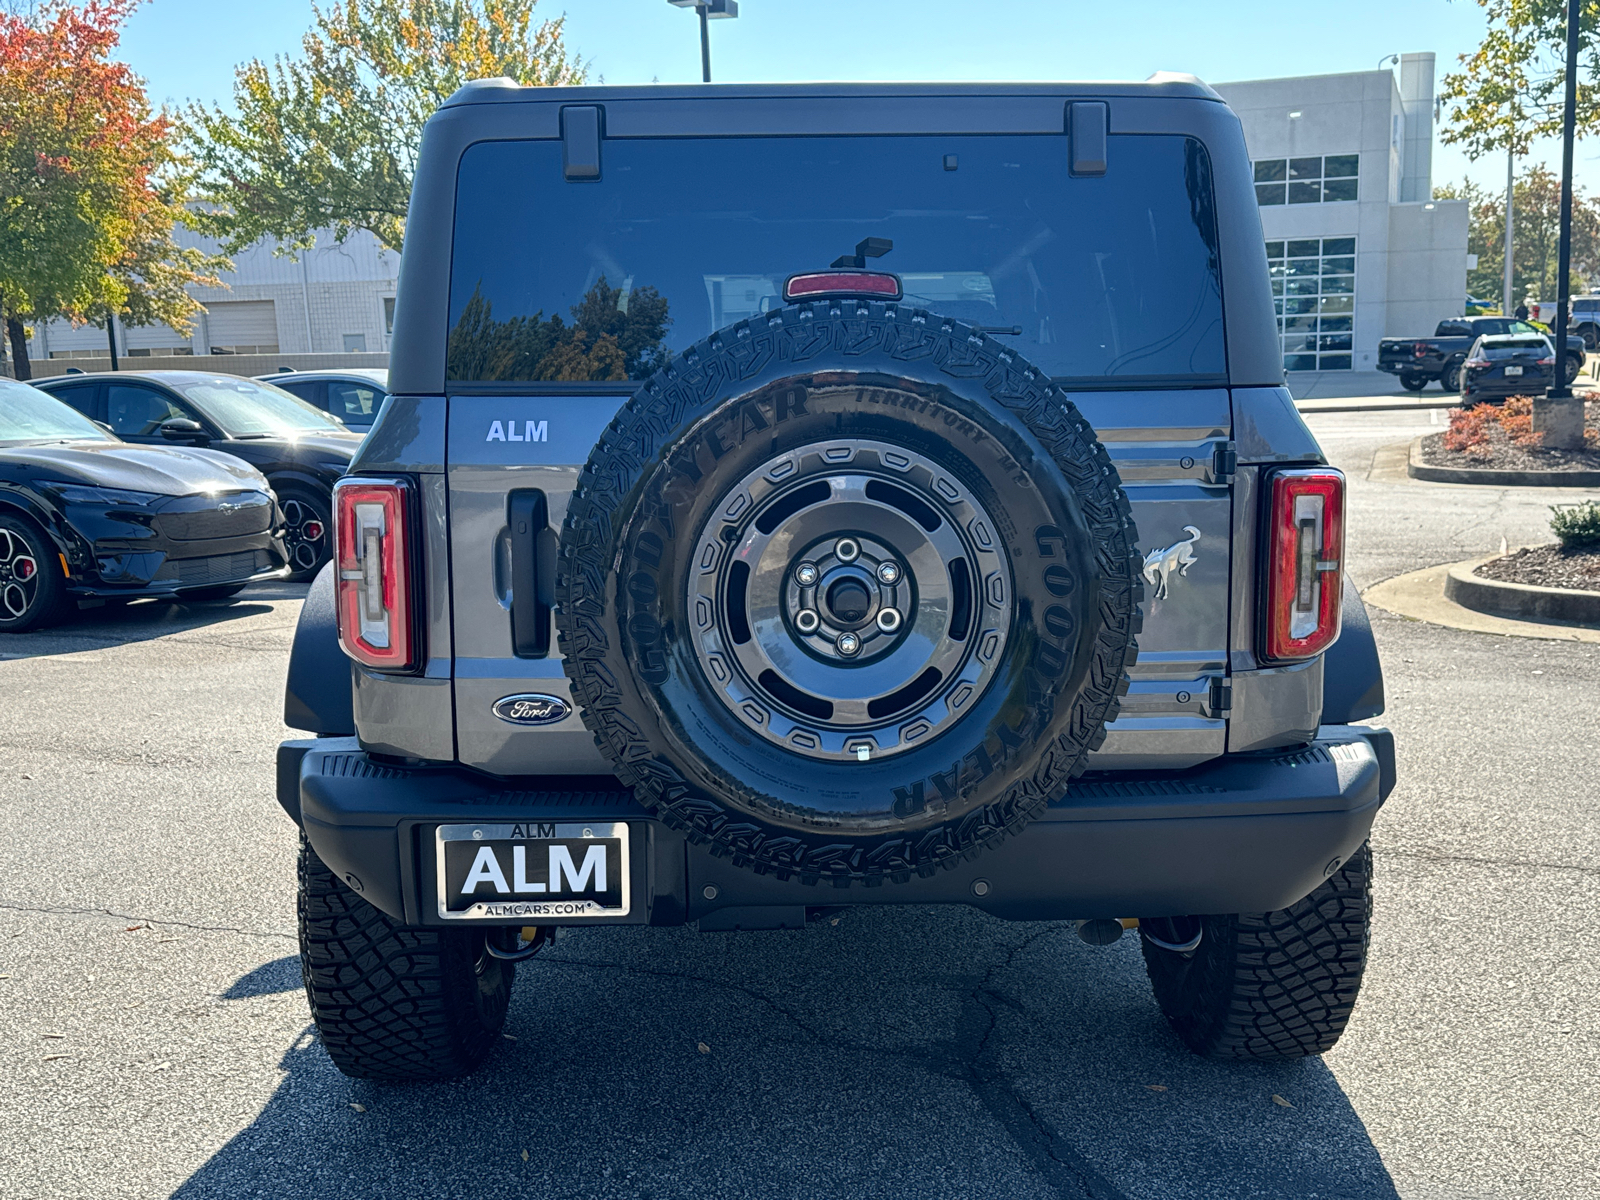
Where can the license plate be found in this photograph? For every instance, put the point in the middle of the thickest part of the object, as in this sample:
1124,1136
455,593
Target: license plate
1513,370
533,870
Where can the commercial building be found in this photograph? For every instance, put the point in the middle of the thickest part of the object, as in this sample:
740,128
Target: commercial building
1357,246
336,299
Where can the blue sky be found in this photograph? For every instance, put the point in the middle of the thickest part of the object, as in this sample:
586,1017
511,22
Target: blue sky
187,49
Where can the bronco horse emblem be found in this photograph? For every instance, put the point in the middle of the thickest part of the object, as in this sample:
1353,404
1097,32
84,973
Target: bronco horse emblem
1160,564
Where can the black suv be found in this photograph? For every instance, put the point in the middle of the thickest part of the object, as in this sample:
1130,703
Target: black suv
802,496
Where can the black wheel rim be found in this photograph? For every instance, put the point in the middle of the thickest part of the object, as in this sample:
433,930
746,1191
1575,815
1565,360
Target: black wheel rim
849,600
305,534
19,577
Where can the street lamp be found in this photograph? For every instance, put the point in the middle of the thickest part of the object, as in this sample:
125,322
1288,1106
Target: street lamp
721,9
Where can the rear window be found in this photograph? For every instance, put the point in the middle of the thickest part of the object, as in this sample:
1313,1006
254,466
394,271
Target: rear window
1114,277
1516,349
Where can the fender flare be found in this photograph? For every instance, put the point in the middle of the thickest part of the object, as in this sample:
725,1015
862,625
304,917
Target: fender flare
1352,676
318,695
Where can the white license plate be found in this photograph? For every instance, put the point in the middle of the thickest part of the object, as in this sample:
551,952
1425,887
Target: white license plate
533,871
1513,371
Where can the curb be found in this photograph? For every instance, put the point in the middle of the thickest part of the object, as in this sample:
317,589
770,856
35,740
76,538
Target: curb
1520,599
1418,469
1420,596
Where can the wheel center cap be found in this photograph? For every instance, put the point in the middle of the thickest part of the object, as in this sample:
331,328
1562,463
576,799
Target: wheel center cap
849,601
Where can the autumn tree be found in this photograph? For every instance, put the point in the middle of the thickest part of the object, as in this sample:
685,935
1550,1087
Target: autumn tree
329,140
1510,90
1536,217
90,189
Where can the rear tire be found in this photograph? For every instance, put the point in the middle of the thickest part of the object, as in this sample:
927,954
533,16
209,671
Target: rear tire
391,1001
32,589
1272,986
1450,381
1413,383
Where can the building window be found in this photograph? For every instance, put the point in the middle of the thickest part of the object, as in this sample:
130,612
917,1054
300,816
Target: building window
1306,180
1314,294
355,343
388,316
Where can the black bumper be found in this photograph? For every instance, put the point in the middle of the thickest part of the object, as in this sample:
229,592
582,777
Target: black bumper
1244,833
1412,366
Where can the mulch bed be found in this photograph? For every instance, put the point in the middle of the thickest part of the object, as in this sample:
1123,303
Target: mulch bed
1505,455
1547,566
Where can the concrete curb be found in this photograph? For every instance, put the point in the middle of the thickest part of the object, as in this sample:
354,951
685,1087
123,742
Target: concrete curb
1418,469
1420,596
1520,599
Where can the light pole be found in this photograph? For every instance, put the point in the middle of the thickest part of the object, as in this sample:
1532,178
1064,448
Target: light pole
1563,427
721,9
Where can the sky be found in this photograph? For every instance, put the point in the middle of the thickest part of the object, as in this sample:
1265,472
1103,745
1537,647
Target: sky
187,49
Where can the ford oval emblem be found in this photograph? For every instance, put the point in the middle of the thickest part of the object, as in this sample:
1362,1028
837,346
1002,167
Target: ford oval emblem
531,708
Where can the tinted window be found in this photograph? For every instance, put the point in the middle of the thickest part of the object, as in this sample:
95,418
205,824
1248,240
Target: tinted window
309,390
1110,276
80,396
134,410
29,415
357,402
1516,349
245,408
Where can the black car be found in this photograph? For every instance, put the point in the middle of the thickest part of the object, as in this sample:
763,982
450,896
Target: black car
354,395
1507,365
86,516
300,449
1417,360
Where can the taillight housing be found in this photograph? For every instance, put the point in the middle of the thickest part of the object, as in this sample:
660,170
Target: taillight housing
1419,350
1304,563
842,282
373,547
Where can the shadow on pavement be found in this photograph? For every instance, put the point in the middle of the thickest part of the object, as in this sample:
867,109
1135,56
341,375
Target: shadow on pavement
906,1052
269,979
117,623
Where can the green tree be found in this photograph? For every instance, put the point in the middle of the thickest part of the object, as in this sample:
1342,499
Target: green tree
90,189
1536,216
1510,89
329,140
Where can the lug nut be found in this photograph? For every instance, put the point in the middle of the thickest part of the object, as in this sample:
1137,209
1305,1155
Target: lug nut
848,643
888,572
806,621
847,549
806,574
889,620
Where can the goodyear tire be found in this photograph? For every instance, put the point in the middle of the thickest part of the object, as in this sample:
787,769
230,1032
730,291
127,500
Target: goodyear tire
848,593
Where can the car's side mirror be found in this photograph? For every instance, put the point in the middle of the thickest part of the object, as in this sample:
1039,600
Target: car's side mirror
182,429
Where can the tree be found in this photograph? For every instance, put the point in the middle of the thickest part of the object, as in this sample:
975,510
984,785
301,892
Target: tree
1536,213
90,189
330,140
1510,89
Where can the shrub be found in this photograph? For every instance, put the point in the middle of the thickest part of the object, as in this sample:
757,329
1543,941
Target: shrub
1516,418
1577,525
1469,431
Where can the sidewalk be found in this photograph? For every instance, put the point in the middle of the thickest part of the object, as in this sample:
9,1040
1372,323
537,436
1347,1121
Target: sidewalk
1320,393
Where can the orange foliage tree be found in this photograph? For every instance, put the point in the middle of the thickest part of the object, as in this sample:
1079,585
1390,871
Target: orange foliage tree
90,189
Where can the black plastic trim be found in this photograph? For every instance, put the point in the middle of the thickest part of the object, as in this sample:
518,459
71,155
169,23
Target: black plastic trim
318,696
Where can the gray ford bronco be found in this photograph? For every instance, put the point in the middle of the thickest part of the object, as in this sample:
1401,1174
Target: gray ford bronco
796,497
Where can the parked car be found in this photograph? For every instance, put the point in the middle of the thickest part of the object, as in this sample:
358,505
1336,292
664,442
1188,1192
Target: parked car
1418,360
1513,364
354,396
86,516
775,581
300,449
1584,320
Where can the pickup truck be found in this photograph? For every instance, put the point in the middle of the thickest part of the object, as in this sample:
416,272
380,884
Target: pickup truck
1418,360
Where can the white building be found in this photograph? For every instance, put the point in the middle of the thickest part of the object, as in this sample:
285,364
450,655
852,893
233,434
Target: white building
336,299
1358,247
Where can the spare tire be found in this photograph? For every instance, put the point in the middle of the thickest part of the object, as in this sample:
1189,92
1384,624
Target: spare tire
848,592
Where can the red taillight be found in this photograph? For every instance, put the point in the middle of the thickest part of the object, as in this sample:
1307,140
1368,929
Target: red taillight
372,555
1419,350
1305,552
1547,362
873,285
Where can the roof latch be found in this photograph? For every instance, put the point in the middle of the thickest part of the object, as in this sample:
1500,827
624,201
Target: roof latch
1087,124
580,141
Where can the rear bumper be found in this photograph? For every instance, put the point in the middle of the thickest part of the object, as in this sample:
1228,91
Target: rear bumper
1411,366
1244,833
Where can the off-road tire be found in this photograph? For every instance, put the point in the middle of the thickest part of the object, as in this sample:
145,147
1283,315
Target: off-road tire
393,1002
44,591
620,643
1272,986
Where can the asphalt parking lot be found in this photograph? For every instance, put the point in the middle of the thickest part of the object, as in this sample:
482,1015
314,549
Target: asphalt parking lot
156,1041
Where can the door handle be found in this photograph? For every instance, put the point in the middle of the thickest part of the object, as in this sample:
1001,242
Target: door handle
533,572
